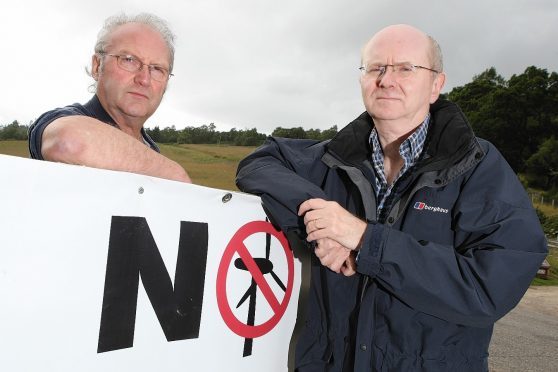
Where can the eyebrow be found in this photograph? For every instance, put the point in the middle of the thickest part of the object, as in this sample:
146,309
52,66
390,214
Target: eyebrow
127,53
383,64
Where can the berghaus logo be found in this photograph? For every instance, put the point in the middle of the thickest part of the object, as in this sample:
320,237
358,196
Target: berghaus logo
423,206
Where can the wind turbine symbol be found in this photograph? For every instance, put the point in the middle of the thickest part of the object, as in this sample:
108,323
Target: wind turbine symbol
266,267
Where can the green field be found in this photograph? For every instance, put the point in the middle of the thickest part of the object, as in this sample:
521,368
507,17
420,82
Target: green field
208,165
15,148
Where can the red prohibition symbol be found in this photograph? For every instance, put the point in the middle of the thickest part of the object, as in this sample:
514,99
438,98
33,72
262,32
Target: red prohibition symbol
236,245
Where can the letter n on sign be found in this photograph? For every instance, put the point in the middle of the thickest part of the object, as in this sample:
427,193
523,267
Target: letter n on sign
132,252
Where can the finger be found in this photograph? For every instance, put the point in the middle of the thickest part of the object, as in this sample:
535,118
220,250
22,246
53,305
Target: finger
320,253
323,248
326,259
318,234
308,217
314,225
349,267
336,266
304,207
310,227
334,259
331,262
309,205
347,271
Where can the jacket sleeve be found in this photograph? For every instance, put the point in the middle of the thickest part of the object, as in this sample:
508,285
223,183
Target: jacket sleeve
498,245
273,172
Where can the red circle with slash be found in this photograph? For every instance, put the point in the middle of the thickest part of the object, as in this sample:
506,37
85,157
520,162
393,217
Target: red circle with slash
236,245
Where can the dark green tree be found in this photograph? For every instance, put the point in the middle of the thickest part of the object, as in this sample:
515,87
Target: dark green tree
249,137
155,134
542,166
169,135
515,115
297,132
14,131
329,133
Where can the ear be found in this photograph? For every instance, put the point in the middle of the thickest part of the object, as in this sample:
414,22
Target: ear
437,86
95,66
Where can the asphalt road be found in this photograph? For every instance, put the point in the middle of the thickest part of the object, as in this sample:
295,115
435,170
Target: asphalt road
526,339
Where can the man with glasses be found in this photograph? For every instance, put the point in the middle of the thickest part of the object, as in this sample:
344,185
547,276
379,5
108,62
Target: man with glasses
423,236
131,67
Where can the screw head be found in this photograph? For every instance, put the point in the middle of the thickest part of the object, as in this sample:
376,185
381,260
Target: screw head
227,197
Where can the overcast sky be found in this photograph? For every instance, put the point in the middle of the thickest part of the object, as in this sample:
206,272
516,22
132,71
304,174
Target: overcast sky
263,64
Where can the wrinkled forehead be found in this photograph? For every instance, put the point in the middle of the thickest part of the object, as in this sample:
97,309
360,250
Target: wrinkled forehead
141,40
395,46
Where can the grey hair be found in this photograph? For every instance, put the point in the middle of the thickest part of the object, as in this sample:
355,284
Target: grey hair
113,22
436,54
151,20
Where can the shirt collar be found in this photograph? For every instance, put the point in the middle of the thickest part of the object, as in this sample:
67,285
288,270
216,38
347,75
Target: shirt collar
98,111
415,141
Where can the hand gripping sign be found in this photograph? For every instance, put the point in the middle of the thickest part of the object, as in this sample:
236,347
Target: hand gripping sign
258,268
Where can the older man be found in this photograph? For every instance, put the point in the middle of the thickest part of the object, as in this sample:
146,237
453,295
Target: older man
431,228
131,67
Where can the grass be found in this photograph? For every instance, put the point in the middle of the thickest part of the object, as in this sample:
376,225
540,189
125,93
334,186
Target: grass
15,148
209,165
548,210
215,166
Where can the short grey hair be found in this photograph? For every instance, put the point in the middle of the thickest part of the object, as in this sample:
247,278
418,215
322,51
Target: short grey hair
156,23
436,54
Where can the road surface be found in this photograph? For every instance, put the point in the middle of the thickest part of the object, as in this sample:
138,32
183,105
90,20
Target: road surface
526,339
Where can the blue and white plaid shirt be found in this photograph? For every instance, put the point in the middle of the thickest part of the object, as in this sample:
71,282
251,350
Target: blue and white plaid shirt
410,151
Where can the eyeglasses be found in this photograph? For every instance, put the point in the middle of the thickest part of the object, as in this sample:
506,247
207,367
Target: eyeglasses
400,70
133,64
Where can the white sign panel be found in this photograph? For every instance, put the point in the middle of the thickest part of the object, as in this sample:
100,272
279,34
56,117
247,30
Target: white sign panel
112,271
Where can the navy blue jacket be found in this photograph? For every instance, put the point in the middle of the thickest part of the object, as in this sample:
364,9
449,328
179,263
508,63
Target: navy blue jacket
457,250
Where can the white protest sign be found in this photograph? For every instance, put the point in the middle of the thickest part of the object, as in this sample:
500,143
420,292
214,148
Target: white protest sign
112,271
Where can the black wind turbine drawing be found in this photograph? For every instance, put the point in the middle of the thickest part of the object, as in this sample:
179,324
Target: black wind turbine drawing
266,267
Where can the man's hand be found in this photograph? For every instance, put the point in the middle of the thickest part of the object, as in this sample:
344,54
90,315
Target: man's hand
327,219
335,257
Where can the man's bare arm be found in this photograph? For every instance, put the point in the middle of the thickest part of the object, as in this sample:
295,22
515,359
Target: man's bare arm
86,141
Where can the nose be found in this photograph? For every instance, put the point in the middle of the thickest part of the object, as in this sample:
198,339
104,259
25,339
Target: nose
143,75
387,79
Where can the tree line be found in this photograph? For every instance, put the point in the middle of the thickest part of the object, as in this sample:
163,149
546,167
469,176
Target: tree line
13,131
518,115
203,134
207,134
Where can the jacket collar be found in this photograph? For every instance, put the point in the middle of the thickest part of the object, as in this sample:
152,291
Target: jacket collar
450,138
